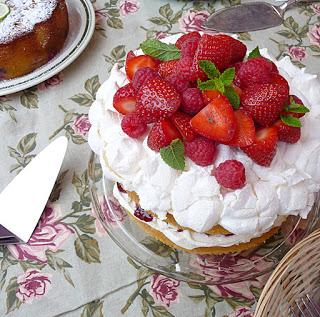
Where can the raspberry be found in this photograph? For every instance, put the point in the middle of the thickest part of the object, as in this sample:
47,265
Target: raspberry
132,125
187,37
192,101
184,68
189,47
201,150
142,214
230,174
142,76
178,83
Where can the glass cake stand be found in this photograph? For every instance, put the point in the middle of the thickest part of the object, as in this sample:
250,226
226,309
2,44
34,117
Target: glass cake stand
191,268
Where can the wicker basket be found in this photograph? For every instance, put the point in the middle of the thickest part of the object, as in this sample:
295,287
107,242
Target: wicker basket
297,274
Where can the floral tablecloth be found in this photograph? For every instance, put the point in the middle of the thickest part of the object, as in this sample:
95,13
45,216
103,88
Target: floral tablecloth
70,267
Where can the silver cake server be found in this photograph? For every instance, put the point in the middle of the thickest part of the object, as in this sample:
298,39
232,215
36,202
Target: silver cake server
248,17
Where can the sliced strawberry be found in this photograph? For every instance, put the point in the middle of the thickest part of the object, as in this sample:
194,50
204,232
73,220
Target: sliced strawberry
162,134
208,95
167,68
245,131
124,100
286,133
213,49
157,99
186,37
130,55
264,102
216,121
182,123
135,63
263,149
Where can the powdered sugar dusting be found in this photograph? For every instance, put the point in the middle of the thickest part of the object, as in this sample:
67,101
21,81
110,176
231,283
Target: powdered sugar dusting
23,16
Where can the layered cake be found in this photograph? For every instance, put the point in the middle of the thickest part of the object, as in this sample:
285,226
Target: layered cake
210,148
31,33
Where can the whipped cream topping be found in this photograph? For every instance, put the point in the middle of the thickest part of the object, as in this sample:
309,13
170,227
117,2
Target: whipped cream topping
23,16
193,196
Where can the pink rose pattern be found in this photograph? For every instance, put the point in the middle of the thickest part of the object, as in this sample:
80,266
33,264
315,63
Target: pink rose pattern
164,289
316,8
81,125
50,234
33,284
314,34
51,82
192,21
128,7
298,53
242,312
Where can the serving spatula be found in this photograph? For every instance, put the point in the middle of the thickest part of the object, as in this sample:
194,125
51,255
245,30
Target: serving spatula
251,16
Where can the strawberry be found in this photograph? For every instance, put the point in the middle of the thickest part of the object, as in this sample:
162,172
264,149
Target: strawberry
238,49
162,134
130,55
255,71
282,83
124,100
216,121
189,47
287,133
186,37
245,130
182,123
294,114
264,102
142,76
208,95
135,63
263,149
213,49
167,68
157,99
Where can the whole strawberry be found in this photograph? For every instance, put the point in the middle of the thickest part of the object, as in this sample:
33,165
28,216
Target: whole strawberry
264,102
142,76
167,68
157,99
287,133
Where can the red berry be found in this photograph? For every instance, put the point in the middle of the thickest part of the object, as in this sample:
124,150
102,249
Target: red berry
287,133
124,100
282,83
178,83
142,76
130,55
133,126
189,47
135,63
192,101
263,149
162,134
230,174
209,95
201,150
186,37
216,121
264,102
255,71
168,68
294,114
245,131
142,214
157,99
182,123
236,80
184,68
211,48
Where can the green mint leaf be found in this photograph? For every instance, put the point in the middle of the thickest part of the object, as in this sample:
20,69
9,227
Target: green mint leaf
160,50
207,85
233,97
255,53
227,76
219,85
209,69
296,107
173,155
291,121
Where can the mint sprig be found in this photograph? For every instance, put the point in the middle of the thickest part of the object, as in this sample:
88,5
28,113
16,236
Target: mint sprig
296,107
173,155
160,50
254,53
221,82
291,121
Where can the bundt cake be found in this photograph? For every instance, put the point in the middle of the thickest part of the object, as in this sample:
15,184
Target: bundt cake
31,34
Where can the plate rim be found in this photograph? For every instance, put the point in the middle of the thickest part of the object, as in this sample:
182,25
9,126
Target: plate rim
76,49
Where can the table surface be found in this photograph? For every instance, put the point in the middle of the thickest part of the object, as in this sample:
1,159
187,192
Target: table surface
70,267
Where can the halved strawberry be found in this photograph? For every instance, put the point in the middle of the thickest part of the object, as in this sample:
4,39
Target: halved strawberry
157,99
263,149
182,122
208,95
216,121
124,100
287,133
135,63
167,68
245,131
162,134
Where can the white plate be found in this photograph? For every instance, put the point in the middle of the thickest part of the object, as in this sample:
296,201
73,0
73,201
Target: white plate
81,28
